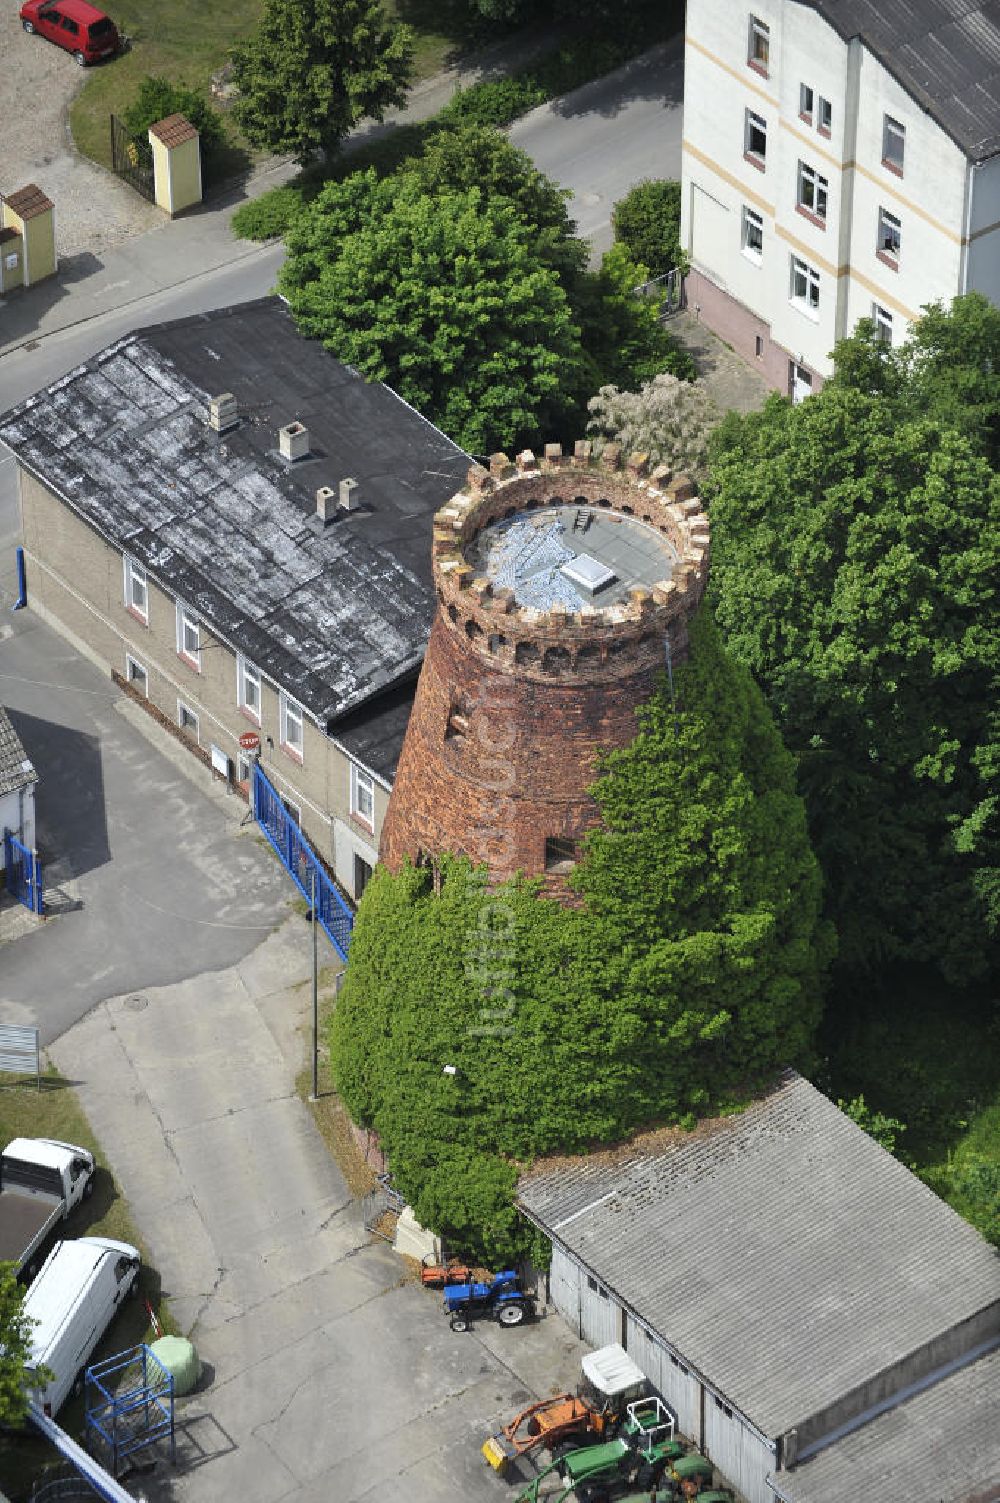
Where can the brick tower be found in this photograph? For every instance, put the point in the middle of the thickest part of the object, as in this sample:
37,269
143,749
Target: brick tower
563,586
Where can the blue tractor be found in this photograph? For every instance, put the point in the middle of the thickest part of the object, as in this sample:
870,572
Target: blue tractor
502,1299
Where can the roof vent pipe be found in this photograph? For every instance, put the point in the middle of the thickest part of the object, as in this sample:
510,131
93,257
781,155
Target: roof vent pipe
223,412
293,441
326,503
349,498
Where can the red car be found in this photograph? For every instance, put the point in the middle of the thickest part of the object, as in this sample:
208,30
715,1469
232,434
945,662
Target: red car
81,28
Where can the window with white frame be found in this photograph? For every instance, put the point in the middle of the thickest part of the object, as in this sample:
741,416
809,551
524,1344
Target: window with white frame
187,719
753,233
363,796
804,286
824,118
893,144
806,102
135,673
188,636
758,44
812,191
243,768
890,235
755,137
882,319
248,688
136,590
292,736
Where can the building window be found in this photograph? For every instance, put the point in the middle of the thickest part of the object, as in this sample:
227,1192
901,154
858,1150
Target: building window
889,237
248,689
136,675
136,591
758,45
560,854
753,233
188,637
758,346
187,720
243,768
812,191
755,138
597,1288
806,103
362,876
893,144
804,286
363,796
291,732
882,319
824,122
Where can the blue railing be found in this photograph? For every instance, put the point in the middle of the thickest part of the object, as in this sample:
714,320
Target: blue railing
23,872
300,861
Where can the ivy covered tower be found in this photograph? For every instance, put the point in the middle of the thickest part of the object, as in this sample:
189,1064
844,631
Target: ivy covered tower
565,587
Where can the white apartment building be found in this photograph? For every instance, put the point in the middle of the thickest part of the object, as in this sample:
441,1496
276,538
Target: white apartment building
841,160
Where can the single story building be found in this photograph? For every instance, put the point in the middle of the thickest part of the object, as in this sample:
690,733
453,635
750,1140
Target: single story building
789,1288
238,527
17,787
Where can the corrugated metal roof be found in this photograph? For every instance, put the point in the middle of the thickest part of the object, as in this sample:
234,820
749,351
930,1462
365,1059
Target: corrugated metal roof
946,53
16,770
783,1253
941,1446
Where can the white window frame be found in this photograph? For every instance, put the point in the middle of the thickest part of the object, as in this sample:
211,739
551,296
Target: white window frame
824,116
247,673
130,663
753,220
187,621
244,767
759,39
806,299
135,574
362,792
807,100
893,131
891,223
882,319
750,121
192,717
808,183
291,712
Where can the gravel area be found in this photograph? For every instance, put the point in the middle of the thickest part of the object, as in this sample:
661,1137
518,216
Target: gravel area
94,209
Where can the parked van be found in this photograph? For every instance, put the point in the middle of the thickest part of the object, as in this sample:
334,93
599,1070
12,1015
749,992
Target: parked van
73,1301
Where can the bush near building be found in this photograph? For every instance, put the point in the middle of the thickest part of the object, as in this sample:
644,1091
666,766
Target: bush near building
157,98
648,221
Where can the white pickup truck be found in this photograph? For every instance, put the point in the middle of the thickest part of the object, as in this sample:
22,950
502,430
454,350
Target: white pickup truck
41,1180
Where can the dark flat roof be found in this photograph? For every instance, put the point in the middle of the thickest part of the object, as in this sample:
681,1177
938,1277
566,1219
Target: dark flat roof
946,53
373,735
334,615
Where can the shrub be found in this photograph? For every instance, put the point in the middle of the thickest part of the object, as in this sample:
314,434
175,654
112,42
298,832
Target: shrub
496,103
158,98
269,215
648,221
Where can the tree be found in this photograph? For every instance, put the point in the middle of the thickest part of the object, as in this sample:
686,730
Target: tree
668,419
692,968
15,1347
444,297
884,1129
623,338
157,98
648,221
856,572
313,69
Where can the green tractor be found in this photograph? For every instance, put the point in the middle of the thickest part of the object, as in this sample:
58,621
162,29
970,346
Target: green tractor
634,1465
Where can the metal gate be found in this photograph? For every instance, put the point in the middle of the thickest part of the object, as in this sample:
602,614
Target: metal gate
131,158
24,873
668,290
301,862
382,1207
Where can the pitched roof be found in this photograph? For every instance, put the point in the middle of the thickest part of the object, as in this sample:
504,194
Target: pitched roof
781,1252
173,131
334,615
945,53
28,201
16,770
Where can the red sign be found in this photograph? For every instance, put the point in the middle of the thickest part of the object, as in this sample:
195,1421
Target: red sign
250,741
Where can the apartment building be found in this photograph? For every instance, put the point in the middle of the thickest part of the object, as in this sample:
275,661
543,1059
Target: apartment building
841,160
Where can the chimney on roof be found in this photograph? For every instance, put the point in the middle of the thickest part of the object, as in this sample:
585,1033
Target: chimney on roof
293,441
223,412
349,498
326,503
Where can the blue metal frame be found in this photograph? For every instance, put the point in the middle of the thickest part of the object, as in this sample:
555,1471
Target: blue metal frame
130,1403
301,863
23,872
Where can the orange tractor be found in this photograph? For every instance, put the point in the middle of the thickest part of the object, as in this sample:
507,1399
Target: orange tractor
610,1380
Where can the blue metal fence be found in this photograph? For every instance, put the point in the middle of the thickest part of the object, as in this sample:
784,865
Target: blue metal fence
23,872
301,863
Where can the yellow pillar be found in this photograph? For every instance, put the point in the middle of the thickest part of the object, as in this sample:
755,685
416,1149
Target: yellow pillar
176,164
32,216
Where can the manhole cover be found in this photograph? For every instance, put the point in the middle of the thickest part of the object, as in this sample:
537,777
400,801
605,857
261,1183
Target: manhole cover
136,1003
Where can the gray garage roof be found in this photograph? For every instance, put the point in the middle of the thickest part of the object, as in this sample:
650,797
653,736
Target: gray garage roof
941,1446
16,770
783,1253
945,53
336,615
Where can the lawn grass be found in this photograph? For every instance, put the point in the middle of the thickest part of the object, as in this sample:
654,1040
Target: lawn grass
55,1112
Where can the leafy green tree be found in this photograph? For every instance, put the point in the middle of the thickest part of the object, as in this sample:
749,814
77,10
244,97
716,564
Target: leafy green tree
313,69
15,1347
856,572
692,968
884,1129
444,297
623,337
648,221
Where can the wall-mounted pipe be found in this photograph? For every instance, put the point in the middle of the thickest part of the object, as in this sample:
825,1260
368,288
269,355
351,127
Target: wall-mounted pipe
22,583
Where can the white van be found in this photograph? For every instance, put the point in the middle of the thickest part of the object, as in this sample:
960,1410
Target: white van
72,1302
